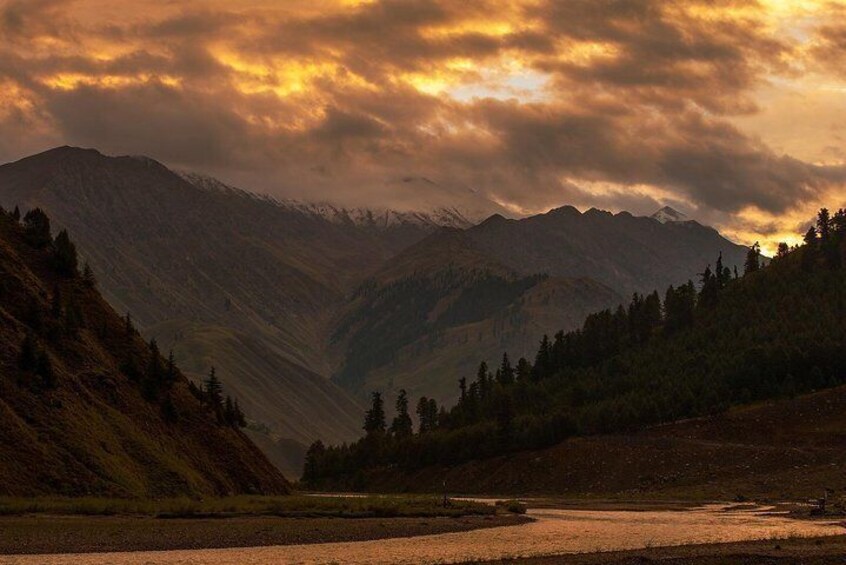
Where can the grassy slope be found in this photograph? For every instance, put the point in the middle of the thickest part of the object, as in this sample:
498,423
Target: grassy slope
430,365
446,271
94,433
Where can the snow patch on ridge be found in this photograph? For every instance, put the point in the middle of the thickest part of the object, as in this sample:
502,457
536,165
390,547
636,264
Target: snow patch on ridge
376,218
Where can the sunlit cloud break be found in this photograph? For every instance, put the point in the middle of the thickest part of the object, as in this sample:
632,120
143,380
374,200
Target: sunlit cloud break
728,109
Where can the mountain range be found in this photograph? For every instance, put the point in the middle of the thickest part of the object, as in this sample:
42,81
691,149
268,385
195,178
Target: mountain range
303,308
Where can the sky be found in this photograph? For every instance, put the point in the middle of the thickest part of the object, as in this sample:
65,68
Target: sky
731,111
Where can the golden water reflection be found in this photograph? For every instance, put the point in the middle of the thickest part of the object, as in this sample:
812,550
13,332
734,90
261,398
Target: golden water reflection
554,531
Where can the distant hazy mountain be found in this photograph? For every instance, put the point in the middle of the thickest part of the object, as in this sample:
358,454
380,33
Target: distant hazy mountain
75,421
280,295
624,252
514,280
432,313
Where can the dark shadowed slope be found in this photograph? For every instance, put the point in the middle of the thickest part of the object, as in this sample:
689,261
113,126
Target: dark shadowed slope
622,251
777,332
87,408
787,449
223,278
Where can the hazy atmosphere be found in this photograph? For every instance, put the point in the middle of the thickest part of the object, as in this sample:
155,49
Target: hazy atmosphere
419,282
731,111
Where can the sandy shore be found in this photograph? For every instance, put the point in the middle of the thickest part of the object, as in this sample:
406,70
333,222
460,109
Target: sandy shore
80,534
807,551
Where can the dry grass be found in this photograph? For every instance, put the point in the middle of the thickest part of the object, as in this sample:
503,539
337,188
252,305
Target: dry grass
283,506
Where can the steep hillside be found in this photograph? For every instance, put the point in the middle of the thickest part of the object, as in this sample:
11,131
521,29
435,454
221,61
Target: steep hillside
86,406
412,325
779,331
624,252
222,277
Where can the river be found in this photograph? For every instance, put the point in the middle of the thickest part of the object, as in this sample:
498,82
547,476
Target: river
553,532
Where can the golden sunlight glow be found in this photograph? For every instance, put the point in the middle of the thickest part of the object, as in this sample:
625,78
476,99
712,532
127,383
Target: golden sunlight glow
585,53
284,76
499,75
480,27
71,81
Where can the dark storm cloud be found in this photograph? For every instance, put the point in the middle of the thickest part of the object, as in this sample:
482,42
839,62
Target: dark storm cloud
339,102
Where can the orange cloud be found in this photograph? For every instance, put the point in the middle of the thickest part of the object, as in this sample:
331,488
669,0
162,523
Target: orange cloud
531,103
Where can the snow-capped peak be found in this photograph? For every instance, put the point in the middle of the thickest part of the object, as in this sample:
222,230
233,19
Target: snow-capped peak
667,214
375,218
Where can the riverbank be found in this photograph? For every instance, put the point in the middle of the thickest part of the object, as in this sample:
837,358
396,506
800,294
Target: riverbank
45,533
828,550
551,531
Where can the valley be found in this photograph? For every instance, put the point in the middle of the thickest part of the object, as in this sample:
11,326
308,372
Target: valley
268,292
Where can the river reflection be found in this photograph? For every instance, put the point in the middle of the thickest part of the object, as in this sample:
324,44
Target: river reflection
553,532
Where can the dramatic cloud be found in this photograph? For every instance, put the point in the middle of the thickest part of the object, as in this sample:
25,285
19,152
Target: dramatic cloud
529,104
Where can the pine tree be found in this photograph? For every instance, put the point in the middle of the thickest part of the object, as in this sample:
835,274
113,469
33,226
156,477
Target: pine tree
64,253
504,420
722,273
214,391
374,421
170,374
824,226
432,414
809,253
16,214
424,416
314,458
37,227
483,379
506,371
783,250
401,426
753,259
88,276
541,369
709,293
524,370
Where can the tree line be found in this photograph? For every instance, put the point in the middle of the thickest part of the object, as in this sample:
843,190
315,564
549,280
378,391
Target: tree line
66,317
777,329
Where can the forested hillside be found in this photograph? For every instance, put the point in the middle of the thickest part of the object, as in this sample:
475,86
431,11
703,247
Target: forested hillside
222,277
695,350
411,325
87,406
280,296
